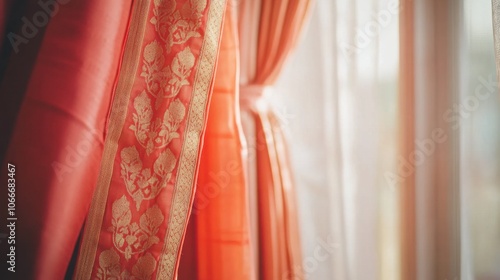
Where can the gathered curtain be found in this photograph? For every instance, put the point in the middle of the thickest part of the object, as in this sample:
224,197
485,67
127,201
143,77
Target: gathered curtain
270,30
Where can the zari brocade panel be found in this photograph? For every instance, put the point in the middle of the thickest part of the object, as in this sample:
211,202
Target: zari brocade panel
145,188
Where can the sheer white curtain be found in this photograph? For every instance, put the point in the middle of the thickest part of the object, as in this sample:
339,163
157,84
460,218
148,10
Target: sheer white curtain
480,140
340,112
390,187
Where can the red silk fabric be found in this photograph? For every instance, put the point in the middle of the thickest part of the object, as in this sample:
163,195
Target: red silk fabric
59,133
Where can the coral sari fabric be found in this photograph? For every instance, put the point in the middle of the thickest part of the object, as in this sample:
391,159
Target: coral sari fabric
104,107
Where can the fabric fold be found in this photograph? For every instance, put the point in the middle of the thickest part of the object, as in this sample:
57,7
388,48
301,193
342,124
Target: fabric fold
145,189
57,138
219,227
277,26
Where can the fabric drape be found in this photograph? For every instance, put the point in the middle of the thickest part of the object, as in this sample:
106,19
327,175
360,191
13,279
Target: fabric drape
109,127
276,26
145,190
63,82
244,224
218,242
104,106
343,125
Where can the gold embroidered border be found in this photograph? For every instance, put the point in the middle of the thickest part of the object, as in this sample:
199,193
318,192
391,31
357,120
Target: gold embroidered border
131,58
182,196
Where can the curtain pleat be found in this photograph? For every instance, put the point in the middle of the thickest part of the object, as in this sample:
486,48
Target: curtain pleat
279,25
279,31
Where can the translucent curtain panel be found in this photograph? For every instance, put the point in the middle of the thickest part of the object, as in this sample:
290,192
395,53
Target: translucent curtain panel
480,140
343,136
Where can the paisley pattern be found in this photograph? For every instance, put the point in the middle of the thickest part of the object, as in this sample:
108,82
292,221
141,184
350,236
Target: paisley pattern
131,237
162,107
154,128
177,26
158,133
165,80
110,269
141,183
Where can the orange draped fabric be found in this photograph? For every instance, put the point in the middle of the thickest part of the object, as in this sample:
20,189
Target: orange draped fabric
220,243
219,223
219,227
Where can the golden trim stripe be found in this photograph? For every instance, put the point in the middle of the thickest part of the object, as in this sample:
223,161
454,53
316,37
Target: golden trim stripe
183,190
131,57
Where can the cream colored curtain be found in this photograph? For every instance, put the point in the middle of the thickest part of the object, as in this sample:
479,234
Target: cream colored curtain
379,108
342,122
396,145
480,142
